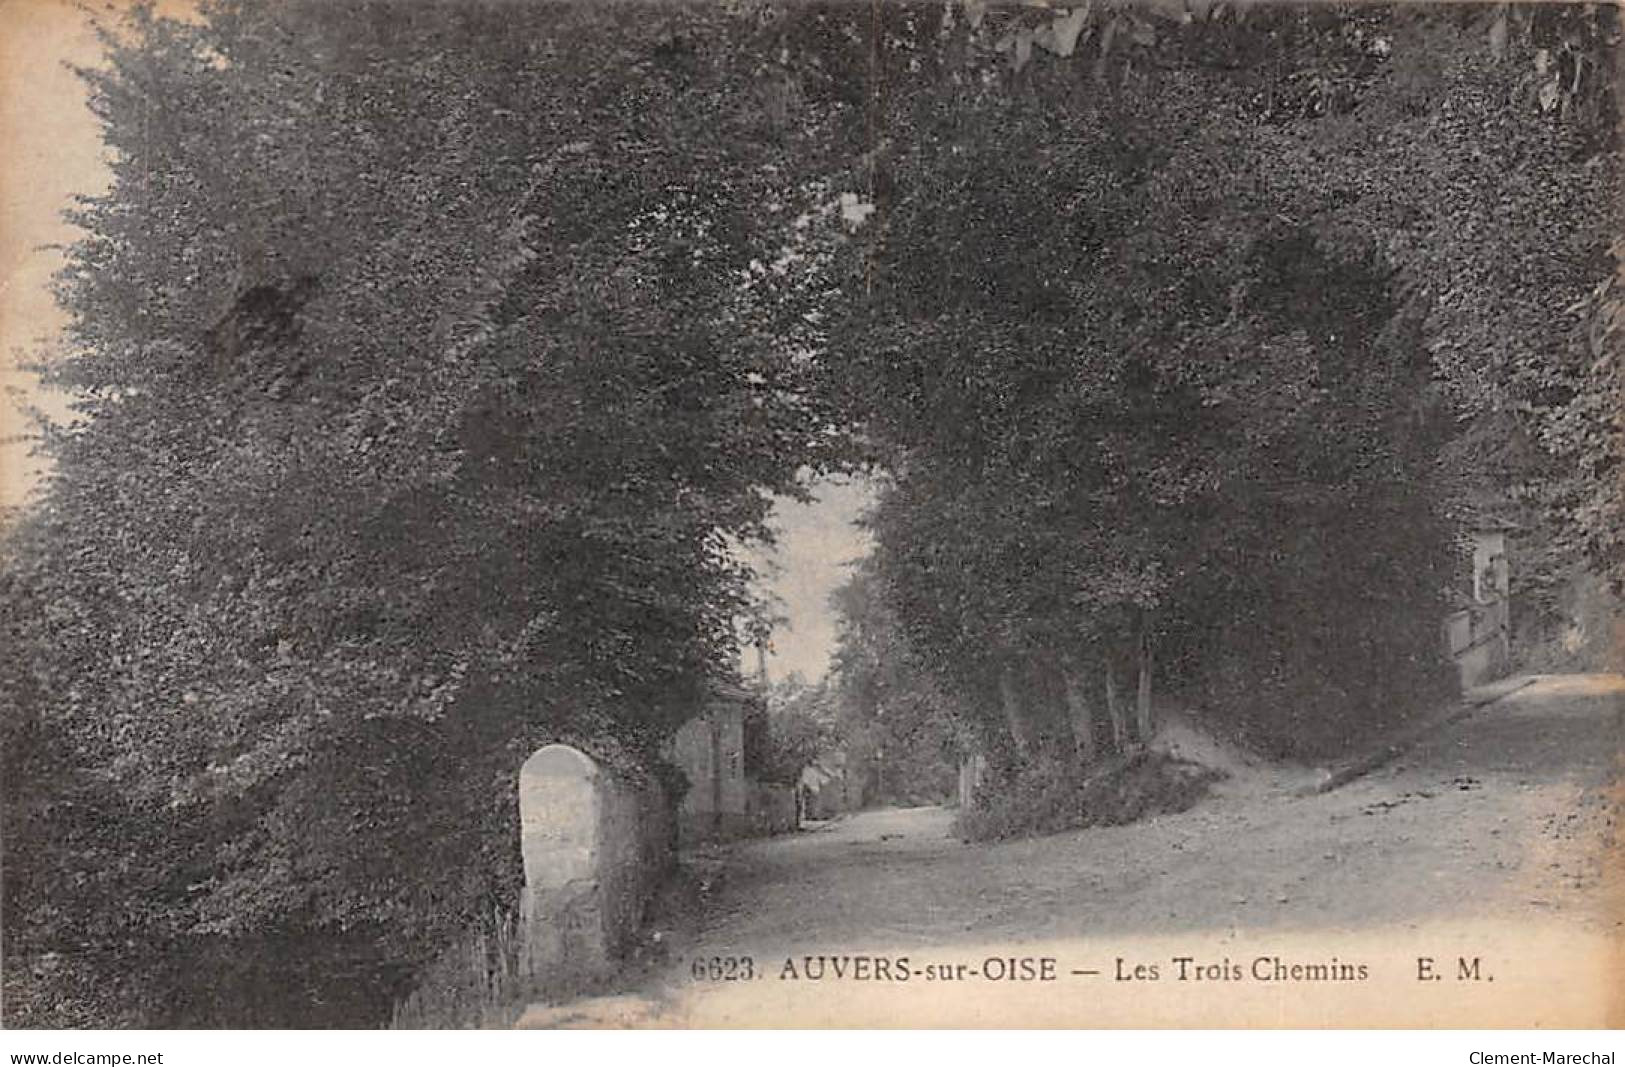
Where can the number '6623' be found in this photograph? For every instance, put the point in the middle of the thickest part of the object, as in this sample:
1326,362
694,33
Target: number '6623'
722,968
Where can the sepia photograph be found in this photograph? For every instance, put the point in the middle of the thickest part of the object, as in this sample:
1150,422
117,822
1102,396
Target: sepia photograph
812,514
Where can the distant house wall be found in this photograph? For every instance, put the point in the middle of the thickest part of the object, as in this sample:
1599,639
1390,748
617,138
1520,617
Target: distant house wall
733,788
695,750
1492,579
723,802
1478,640
1479,637
710,750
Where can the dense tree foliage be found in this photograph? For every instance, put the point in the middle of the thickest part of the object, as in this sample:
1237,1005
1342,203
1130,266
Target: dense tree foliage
428,386
901,730
1168,318
802,727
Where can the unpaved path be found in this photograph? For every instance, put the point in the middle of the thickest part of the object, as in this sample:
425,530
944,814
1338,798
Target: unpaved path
1488,840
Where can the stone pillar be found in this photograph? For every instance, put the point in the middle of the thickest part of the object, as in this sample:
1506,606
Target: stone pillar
561,907
596,844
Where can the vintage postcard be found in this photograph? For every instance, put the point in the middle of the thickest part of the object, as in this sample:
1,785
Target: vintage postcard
792,514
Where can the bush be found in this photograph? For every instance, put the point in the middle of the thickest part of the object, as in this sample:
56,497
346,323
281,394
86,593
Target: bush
1048,797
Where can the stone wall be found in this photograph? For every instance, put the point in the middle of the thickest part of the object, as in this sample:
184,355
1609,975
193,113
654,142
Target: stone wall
596,844
1478,638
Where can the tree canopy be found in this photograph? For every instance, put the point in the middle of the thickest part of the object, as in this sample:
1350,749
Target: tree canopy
1185,338
428,385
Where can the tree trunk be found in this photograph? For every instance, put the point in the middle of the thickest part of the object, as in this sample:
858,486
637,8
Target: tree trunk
1114,710
1142,707
1015,716
1080,712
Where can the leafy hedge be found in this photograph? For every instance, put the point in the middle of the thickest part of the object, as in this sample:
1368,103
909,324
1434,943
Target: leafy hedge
1048,797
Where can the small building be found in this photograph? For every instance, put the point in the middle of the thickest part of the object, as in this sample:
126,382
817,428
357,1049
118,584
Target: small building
1478,636
710,750
726,799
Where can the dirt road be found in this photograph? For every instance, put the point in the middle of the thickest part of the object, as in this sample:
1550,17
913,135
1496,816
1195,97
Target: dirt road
1363,906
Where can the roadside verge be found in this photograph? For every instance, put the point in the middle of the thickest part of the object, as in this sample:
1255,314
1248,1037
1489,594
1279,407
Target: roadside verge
1471,700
